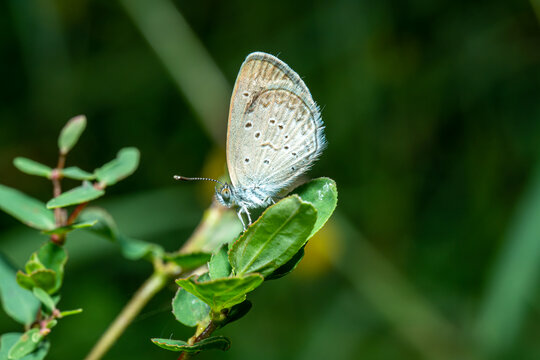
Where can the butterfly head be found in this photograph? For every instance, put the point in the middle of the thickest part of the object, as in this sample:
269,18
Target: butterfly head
225,195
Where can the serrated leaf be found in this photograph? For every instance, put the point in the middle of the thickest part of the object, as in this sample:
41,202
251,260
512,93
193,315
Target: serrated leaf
211,343
78,195
188,309
45,298
27,343
188,261
222,293
125,164
26,209
219,266
287,267
69,228
322,194
237,312
274,238
9,339
32,167
73,172
17,302
70,133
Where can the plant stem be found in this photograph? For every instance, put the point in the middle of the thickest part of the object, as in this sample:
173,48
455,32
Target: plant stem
149,288
76,213
59,213
206,333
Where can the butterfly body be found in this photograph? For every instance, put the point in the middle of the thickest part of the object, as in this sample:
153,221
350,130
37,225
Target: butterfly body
275,133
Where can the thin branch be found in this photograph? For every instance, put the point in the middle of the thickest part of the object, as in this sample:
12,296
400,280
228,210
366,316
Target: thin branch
150,287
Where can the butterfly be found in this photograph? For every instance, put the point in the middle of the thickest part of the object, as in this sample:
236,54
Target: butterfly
275,133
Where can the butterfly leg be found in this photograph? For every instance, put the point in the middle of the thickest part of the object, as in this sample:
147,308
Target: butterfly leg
239,213
249,216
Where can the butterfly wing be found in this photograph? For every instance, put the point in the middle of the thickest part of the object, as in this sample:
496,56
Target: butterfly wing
275,131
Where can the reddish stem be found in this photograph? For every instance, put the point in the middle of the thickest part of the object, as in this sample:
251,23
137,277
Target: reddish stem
76,213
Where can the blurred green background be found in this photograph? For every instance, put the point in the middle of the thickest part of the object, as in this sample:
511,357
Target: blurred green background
432,111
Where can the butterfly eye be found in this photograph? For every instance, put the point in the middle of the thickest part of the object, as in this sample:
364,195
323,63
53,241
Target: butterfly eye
226,193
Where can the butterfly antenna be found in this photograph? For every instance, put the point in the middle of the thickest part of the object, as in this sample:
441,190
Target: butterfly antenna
183,178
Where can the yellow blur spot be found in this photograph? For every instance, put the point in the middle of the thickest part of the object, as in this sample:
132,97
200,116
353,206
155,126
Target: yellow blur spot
322,250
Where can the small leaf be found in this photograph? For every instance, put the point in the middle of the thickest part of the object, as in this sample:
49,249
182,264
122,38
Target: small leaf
188,309
222,293
322,194
9,339
188,261
44,298
70,133
214,342
73,172
78,195
44,279
125,164
26,344
70,312
287,267
26,209
69,228
274,238
32,167
18,303
45,269
54,257
134,249
105,225
219,266
237,312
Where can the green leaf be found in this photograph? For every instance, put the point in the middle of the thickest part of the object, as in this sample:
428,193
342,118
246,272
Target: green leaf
44,298
237,312
188,309
322,194
219,266
27,343
26,209
54,257
70,133
45,269
9,339
70,312
188,261
287,267
105,226
211,343
73,172
135,249
222,293
44,279
17,302
125,164
32,167
274,238
80,194
69,228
